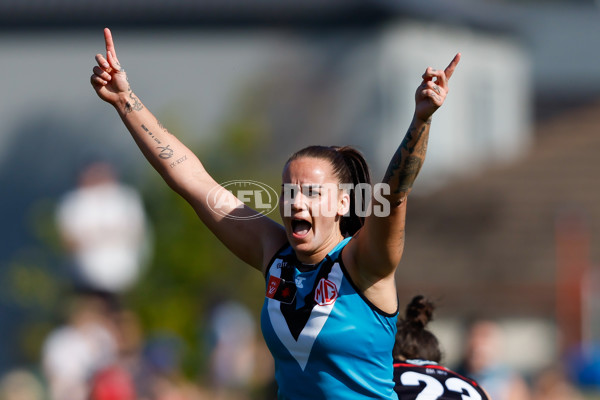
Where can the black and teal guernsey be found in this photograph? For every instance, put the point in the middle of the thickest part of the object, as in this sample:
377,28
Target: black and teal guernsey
327,339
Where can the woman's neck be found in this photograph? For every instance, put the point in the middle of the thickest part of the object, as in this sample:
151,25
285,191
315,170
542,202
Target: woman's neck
317,256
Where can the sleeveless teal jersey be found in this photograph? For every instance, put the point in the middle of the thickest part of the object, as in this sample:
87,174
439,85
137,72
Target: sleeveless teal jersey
328,341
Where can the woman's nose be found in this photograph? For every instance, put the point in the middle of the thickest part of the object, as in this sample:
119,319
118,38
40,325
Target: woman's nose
297,200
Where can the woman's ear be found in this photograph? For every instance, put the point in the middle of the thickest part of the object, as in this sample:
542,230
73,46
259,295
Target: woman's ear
344,204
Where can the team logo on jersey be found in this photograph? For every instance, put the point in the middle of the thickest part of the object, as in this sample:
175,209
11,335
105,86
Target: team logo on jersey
281,264
326,292
281,290
272,286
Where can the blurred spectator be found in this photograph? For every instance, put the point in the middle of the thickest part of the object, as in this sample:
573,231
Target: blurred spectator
176,388
553,384
123,378
233,354
102,224
163,378
482,363
74,352
21,385
113,383
583,363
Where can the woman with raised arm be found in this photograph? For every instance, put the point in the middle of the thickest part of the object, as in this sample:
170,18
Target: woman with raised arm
329,315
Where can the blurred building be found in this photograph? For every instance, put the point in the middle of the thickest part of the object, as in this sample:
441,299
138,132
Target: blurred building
517,243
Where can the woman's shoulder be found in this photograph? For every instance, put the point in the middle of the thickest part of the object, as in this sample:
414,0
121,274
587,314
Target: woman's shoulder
337,250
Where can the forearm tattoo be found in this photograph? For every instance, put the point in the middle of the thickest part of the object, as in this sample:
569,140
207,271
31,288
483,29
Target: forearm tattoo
408,159
178,161
135,104
165,152
157,140
408,174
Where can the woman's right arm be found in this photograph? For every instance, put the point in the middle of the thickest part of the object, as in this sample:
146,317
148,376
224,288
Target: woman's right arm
183,171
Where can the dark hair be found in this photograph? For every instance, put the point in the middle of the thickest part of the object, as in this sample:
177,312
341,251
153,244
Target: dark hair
349,166
413,341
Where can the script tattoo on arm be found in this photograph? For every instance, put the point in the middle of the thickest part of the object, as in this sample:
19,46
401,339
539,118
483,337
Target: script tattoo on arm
166,152
156,139
178,161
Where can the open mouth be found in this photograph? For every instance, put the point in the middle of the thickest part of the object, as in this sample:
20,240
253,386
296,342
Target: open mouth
300,227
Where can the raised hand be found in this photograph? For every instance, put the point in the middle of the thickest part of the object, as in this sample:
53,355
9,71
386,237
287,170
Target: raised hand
109,79
432,92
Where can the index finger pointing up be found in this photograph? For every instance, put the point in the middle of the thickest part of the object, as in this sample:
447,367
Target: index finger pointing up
110,46
450,68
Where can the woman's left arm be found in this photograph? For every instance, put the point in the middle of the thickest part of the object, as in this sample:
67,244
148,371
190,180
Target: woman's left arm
380,242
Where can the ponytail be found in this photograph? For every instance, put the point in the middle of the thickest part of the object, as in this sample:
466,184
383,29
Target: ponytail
413,341
358,173
349,166
419,312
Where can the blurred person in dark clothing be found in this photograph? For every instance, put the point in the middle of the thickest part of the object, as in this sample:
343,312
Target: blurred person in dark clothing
417,354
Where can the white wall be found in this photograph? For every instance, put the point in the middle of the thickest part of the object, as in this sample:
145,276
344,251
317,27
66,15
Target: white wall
190,76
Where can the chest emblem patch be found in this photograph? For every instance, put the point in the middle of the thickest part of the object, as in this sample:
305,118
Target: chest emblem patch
326,292
272,287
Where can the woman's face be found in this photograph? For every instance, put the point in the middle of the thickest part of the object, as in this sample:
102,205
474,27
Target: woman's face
311,207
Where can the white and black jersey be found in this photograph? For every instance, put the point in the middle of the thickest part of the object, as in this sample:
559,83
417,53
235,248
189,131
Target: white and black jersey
427,380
